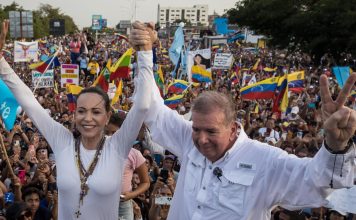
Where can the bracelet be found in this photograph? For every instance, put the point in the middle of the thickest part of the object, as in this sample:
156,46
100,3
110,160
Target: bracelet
349,144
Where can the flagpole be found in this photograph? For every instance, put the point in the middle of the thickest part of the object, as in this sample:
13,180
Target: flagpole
6,157
39,80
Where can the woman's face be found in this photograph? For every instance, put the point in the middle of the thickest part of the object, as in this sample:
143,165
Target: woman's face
197,59
91,115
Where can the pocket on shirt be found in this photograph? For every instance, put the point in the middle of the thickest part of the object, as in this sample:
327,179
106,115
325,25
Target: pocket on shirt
232,192
190,183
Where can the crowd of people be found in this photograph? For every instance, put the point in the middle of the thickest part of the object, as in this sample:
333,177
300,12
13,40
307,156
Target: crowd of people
127,157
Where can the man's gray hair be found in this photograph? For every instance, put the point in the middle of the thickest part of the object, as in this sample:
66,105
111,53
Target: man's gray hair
211,100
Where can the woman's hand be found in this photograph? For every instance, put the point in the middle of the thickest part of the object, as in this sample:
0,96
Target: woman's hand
4,30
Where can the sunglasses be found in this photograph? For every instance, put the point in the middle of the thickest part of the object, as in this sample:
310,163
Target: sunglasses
26,214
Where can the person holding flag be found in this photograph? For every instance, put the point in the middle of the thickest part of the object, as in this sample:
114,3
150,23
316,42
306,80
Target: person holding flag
226,175
89,164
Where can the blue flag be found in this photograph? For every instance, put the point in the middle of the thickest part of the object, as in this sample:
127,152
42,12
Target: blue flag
341,73
177,45
8,106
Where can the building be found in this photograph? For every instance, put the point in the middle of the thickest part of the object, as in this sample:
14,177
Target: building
196,15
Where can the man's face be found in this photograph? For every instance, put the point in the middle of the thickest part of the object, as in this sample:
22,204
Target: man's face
270,124
211,136
33,201
168,164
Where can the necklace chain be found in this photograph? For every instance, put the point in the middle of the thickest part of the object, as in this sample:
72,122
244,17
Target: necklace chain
83,173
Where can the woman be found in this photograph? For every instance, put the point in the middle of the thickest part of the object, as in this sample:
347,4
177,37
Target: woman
89,166
200,69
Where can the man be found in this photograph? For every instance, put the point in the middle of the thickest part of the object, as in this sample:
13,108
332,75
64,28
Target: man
268,131
31,196
226,175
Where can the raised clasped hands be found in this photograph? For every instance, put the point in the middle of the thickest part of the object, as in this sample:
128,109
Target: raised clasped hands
339,120
142,36
4,30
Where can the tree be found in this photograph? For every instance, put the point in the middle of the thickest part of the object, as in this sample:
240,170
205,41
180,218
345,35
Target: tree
313,26
4,12
44,14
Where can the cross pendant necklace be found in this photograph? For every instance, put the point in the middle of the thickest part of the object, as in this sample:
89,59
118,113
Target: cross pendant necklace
77,213
83,191
85,174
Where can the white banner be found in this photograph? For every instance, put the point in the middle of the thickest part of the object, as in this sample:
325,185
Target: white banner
69,74
25,51
223,60
198,57
343,200
45,80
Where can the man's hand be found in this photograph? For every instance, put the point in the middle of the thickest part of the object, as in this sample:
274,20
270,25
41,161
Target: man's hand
4,30
142,36
339,120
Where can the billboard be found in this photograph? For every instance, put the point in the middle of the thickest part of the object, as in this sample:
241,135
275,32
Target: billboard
21,24
96,22
57,27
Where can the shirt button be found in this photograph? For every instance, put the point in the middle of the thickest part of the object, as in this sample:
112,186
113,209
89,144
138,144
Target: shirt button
204,188
210,167
199,207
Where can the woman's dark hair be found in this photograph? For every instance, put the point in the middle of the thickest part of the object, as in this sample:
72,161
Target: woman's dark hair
99,91
204,61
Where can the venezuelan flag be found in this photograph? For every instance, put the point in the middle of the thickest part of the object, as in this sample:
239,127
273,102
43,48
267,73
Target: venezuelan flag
173,101
41,67
121,68
280,102
200,75
261,90
178,86
295,81
72,100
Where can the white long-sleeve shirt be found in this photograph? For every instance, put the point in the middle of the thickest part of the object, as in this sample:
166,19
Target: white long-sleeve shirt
105,183
255,178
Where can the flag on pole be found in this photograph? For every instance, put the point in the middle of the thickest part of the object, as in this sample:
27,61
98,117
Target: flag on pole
103,79
72,100
261,90
121,68
50,63
118,93
73,89
295,81
280,102
178,86
177,45
341,73
8,106
173,101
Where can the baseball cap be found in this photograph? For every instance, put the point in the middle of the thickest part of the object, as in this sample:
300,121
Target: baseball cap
295,110
170,157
